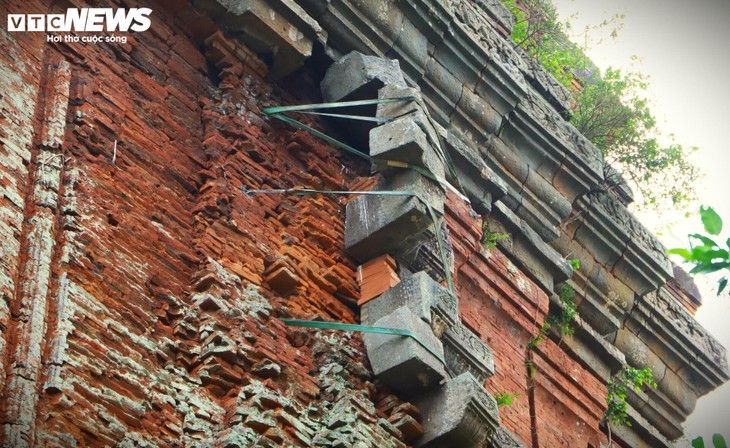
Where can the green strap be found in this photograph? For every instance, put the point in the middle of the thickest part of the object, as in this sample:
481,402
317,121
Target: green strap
378,162
351,117
308,191
308,107
363,329
277,112
323,136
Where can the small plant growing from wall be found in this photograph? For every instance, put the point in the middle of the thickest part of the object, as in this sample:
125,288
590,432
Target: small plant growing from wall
489,237
567,314
563,318
540,336
505,399
616,406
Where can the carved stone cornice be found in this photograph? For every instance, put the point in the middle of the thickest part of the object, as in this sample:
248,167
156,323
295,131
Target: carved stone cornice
682,343
621,243
526,249
687,362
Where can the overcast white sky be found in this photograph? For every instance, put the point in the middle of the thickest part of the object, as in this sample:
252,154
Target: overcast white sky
685,47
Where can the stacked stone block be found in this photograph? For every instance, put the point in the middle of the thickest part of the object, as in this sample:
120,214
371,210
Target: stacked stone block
447,379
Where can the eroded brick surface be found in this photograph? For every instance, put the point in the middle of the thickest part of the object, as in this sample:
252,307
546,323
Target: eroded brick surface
140,288
161,324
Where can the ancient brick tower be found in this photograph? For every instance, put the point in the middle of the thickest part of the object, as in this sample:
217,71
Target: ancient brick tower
142,283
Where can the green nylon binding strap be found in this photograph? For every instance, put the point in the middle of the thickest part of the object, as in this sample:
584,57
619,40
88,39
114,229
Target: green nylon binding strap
302,107
308,191
277,112
365,329
351,117
432,213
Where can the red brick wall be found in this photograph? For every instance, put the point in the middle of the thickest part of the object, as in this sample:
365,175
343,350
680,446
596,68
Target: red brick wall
506,309
160,316
166,319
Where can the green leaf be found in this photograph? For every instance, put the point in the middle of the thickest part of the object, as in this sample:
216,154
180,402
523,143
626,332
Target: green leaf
722,253
707,268
698,443
711,220
684,253
718,441
705,240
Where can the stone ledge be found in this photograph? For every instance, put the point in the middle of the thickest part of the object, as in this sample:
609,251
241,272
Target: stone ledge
661,334
660,321
401,362
280,28
590,348
539,261
393,224
458,414
640,434
481,184
621,243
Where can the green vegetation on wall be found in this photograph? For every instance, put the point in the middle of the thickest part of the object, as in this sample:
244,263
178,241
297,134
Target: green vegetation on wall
616,406
611,109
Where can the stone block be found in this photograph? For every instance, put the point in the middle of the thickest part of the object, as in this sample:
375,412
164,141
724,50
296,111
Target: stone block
504,439
401,362
356,72
528,250
597,314
432,17
404,140
603,230
395,110
502,86
280,29
411,48
642,268
420,294
458,414
581,170
678,391
475,117
598,355
441,91
465,352
462,55
480,183
661,413
379,20
394,224
638,354
543,207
